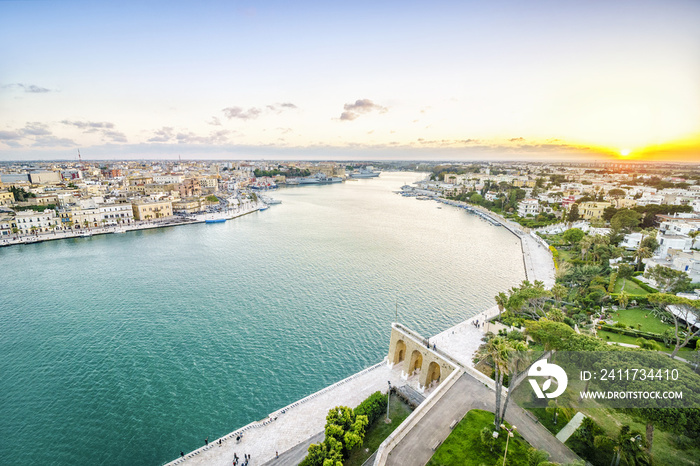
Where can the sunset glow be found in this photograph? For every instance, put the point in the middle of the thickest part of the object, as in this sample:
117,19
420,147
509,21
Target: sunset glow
458,80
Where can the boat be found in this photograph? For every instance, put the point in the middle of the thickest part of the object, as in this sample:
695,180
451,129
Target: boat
320,178
215,220
269,200
265,207
365,172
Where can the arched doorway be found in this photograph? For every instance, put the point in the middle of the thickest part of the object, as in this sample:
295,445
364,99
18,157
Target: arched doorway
416,361
433,373
399,352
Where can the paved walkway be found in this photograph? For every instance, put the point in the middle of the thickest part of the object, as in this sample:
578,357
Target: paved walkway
467,394
462,340
301,421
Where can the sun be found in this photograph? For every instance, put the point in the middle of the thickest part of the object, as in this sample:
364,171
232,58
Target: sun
625,152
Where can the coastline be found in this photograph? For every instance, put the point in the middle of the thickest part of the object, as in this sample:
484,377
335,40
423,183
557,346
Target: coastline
111,229
283,430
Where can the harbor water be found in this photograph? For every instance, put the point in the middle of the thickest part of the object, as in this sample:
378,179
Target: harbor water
126,349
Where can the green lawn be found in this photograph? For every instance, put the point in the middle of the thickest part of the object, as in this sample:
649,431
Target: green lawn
377,432
464,447
634,317
664,450
617,338
630,287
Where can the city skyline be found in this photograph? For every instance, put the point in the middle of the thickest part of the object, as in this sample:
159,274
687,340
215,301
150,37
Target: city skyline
450,80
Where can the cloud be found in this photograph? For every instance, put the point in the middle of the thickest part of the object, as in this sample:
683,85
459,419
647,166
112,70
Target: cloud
89,125
115,136
216,137
35,129
165,134
9,135
254,112
516,139
360,107
30,88
238,112
214,121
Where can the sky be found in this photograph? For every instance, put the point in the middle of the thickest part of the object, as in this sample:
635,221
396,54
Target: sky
458,80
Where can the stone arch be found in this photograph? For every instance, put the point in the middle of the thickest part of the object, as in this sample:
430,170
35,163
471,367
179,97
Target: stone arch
399,352
416,361
433,373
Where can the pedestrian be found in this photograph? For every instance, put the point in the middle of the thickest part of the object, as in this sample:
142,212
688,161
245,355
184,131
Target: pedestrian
182,454
276,455
206,441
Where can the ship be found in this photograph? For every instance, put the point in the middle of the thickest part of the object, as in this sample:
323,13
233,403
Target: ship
365,172
320,178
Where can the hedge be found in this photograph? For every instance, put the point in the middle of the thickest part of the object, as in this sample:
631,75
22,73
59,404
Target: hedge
643,285
373,407
639,333
613,279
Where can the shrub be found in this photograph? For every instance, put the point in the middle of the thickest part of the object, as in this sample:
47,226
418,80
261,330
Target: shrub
373,407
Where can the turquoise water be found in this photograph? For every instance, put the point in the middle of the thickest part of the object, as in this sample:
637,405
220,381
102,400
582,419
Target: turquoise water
126,349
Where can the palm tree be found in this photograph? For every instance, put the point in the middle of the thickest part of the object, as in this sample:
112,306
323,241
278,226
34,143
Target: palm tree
498,350
585,243
623,299
502,301
559,291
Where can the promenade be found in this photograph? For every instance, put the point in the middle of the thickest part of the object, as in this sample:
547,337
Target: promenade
295,424
110,229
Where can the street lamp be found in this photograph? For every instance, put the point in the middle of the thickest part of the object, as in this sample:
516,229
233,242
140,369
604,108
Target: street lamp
510,434
388,398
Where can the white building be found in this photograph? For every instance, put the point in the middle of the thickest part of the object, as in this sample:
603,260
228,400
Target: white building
114,214
30,222
528,207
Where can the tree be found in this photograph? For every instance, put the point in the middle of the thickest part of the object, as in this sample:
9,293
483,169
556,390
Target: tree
573,235
585,244
529,299
502,302
623,299
476,198
559,291
625,219
668,279
617,193
693,235
573,213
682,311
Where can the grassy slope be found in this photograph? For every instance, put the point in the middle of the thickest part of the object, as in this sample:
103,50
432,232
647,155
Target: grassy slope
463,447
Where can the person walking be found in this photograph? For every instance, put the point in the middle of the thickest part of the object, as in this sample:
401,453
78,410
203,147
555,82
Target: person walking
206,441
182,454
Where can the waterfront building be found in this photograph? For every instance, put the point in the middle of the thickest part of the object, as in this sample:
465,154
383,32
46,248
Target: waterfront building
187,205
151,210
30,222
115,214
7,224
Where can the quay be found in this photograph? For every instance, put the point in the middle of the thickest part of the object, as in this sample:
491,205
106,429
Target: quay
115,229
445,379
